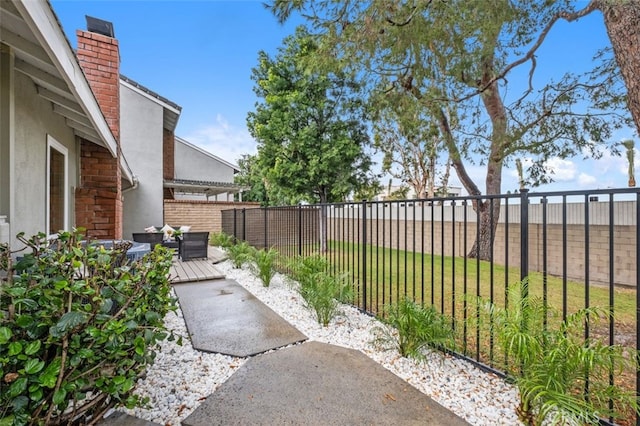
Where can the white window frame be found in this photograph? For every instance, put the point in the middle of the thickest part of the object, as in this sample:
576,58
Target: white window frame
54,144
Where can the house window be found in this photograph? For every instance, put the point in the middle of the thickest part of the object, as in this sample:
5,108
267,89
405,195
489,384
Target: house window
57,186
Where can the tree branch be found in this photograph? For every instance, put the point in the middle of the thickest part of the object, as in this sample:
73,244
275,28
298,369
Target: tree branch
530,54
406,21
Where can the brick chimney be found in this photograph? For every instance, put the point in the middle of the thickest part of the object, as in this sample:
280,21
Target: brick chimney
99,195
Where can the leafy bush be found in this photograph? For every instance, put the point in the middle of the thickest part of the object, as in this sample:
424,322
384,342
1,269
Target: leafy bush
77,329
551,366
413,327
240,253
220,239
321,290
264,265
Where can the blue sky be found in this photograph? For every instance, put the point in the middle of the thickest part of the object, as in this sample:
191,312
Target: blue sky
199,54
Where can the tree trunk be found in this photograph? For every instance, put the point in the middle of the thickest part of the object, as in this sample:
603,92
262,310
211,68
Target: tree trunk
490,212
622,19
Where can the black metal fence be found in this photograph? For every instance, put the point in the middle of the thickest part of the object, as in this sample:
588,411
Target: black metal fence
577,249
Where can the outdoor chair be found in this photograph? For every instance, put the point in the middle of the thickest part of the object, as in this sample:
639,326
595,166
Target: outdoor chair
153,238
193,245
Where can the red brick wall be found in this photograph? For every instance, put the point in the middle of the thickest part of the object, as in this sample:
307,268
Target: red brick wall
168,159
99,196
96,196
99,57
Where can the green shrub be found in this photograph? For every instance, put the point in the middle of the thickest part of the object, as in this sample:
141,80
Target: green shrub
264,265
220,239
77,329
240,253
413,328
321,290
551,365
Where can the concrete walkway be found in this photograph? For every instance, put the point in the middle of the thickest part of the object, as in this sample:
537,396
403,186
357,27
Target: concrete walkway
318,384
223,317
309,383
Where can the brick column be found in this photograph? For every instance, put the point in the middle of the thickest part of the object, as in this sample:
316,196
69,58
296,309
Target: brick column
99,195
168,160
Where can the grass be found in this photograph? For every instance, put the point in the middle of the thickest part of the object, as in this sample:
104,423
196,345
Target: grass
444,281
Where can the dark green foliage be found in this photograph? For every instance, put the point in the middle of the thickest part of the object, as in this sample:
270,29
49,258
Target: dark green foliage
321,290
77,329
264,265
240,253
413,328
252,176
310,127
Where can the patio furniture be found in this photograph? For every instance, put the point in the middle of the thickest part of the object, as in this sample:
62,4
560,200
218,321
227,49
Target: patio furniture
131,250
167,235
172,244
193,245
153,238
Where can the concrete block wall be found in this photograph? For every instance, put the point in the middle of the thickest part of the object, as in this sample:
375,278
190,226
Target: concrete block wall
200,215
418,236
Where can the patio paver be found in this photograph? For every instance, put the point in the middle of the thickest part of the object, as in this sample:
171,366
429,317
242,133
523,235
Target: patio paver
318,384
223,317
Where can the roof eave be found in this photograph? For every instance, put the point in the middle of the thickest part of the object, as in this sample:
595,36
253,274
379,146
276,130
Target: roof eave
42,21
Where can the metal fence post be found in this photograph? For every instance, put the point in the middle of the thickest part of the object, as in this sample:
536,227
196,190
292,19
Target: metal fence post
524,239
266,227
364,254
235,224
244,225
299,229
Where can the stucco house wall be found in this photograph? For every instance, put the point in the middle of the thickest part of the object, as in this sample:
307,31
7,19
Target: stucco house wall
50,93
34,121
195,164
47,100
141,138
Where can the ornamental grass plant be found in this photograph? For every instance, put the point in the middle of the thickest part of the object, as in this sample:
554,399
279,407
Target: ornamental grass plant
263,265
240,253
221,239
562,377
412,327
322,291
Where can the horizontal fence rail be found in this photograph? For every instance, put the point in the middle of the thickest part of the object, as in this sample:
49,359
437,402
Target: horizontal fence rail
575,250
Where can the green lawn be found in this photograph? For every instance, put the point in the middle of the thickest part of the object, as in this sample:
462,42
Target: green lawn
444,281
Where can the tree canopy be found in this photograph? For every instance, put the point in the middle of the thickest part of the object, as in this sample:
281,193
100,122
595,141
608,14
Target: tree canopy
310,127
456,58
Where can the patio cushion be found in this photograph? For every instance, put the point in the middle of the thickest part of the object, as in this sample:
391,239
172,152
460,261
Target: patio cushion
168,232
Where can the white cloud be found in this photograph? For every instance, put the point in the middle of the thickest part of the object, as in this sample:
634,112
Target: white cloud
224,140
587,180
561,170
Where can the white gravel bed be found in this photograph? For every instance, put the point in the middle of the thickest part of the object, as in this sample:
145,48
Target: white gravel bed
181,376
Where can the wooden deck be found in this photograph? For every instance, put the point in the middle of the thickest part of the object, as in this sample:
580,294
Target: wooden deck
194,270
